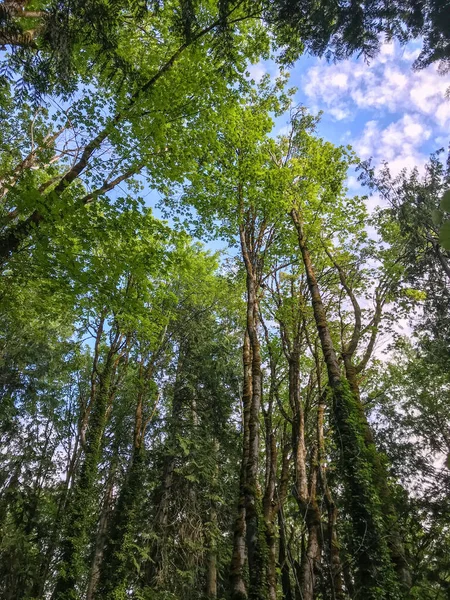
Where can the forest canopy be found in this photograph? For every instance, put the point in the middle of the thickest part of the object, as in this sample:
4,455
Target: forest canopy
179,422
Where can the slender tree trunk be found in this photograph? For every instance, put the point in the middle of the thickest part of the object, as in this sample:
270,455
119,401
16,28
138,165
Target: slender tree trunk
270,509
380,477
253,512
311,558
238,588
348,579
306,498
155,568
379,470
211,573
117,567
275,493
336,570
254,521
101,536
55,534
283,560
211,569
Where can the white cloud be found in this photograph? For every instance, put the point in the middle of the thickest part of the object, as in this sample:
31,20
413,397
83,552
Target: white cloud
283,130
410,55
442,140
395,111
397,143
353,184
257,71
387,51
372,202
388,84
338,113
340,80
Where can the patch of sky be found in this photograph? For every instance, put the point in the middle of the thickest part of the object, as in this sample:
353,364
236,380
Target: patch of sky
383,108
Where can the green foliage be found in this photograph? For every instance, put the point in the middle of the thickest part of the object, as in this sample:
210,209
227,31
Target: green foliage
445,202
408,227
444,235
412,401
121,434
375,572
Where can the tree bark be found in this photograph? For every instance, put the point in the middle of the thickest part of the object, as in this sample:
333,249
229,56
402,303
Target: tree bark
352,371
80,504
211,574
306,498
270,509
116,570
283,560
211,570
154,570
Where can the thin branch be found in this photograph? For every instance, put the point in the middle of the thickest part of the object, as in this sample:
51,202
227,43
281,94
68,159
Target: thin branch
109,185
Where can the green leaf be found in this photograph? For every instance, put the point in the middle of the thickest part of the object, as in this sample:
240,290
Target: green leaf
415,294
436,216
445,202
444,235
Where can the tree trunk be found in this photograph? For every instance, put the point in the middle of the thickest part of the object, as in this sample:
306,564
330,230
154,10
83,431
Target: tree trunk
283,560
311,558
116,566
154,575
380,473
101,537
380,477
270,510
211,574
238,588
306,498
336,571
253,513
211,570
55,534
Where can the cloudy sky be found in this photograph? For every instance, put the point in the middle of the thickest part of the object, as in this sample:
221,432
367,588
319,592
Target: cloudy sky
384,109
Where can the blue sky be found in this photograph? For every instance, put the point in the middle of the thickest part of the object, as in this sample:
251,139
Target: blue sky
384,109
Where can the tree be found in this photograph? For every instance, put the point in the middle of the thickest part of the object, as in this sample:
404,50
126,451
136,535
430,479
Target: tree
316,179
141,128
411,225
411,398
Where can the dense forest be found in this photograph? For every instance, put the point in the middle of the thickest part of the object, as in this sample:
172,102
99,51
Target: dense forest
184,423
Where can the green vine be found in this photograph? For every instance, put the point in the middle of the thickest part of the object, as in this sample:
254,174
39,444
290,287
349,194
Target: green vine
374,570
